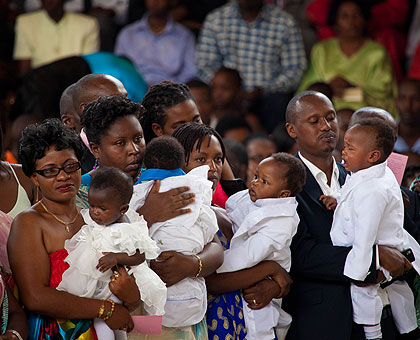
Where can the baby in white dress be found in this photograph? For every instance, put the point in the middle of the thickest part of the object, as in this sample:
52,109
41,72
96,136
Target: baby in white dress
113,234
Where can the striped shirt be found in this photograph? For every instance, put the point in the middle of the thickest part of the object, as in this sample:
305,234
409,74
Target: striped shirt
267,52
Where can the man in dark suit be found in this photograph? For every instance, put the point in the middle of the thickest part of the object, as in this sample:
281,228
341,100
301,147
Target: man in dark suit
319,301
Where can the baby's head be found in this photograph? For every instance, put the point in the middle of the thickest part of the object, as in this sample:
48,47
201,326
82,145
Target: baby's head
164,152
368,142
109,194
278,176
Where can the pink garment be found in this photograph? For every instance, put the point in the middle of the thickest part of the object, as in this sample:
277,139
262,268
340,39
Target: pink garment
5,223
414,72
386,26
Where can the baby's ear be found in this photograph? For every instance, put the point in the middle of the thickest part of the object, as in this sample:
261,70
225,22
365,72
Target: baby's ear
124,209
374,156
284,193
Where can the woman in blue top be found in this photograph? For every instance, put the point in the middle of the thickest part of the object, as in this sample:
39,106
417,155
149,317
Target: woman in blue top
116,139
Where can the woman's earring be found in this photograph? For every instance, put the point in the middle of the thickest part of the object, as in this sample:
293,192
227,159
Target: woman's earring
37,194
96,164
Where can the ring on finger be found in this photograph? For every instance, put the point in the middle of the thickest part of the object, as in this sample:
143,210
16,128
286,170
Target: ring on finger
254,302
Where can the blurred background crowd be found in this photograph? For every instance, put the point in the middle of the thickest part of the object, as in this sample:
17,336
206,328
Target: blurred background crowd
243,60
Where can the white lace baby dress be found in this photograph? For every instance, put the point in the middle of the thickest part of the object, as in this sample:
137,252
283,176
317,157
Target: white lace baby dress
86,248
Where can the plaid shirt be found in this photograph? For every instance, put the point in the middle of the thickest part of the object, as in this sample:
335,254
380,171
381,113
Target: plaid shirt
267,52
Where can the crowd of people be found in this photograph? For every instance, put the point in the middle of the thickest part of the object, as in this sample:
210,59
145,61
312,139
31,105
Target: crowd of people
229,166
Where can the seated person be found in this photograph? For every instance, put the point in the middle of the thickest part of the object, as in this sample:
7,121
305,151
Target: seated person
358,69
51,33
160,48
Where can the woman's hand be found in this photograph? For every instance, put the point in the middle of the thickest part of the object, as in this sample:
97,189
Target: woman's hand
123,286
283,280
261,294
173,267
338,85
120,319
162,206
416,186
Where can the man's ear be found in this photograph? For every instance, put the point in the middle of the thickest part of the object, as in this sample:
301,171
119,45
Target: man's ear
284,193
291,130
124,209
374,156
95,148
157,129
68,121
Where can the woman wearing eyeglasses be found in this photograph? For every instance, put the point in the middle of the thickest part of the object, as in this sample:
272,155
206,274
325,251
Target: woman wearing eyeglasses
50,154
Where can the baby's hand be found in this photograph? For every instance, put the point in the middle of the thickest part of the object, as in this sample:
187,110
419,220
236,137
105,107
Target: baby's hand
329,202
107,262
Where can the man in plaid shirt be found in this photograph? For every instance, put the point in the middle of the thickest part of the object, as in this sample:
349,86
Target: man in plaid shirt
263,43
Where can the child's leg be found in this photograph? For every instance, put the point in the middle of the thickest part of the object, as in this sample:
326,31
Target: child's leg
119,335
103,332
367,309
402,305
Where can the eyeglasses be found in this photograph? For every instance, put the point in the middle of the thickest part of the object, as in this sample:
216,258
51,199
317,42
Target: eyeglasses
53,172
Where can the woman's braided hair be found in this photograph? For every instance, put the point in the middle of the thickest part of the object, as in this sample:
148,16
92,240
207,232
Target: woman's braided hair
158,98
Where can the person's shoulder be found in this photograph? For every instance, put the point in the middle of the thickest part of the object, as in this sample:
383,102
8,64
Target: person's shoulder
30,17
326,43
81,18
372,47
133,27
274,12
27,219
223,12
181,29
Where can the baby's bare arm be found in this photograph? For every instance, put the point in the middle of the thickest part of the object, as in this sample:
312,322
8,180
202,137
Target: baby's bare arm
110,260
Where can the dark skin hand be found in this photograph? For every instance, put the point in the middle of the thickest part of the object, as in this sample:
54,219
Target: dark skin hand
173,267
124,287
261,293
339,84
393,261
329,202
264,291
173,200
250,277
416,186
112,259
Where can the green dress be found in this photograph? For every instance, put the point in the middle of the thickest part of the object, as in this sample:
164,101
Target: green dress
370,69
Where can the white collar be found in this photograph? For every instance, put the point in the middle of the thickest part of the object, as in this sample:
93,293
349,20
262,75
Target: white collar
321,177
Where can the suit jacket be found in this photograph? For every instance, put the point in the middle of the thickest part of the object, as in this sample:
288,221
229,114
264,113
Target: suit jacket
319,300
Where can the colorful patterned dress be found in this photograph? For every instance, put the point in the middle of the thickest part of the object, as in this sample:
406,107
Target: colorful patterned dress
225,317
47,328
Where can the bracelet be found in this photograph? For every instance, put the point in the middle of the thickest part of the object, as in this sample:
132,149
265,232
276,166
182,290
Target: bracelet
15,333
200,265
101,310
109,314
